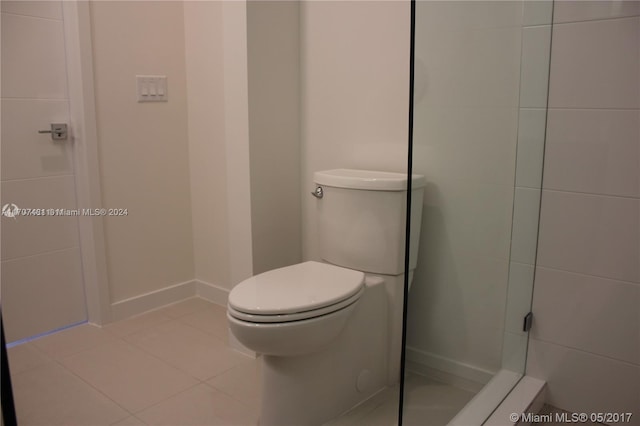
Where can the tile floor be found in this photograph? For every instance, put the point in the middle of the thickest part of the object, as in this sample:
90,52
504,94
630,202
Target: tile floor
173,366
427,403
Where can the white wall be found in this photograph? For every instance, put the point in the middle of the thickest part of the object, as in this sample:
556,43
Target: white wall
143,147
586,337
236,98
273,47
207,150
354,92
244,147
465,136
183,167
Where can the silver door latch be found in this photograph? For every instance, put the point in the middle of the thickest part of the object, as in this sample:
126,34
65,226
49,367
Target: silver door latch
58,131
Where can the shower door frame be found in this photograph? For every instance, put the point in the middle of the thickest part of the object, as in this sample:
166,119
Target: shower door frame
495,395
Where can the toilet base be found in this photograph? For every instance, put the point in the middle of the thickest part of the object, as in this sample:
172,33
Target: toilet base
315,388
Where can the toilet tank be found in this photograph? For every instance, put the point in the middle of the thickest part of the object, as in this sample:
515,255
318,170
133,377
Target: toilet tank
361,219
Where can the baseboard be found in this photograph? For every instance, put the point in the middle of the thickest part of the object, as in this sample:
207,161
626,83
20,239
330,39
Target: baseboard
446,370
219,296
212,293
152,300
165,296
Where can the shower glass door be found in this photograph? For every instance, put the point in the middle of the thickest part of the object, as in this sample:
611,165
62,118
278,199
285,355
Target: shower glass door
479,114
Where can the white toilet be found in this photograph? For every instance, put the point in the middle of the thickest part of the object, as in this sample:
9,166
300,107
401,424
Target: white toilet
330,332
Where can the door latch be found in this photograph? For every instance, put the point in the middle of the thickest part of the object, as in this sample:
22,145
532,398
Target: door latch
58,131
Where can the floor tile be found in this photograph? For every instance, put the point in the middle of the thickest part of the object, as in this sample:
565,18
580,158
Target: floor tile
360,412
73,340
427,398
130,421
150,365
420,390
431,403
193,351
212,320
384,415
51,395
132,378
185,307
426,403
139,322
242,382
24,357
200,405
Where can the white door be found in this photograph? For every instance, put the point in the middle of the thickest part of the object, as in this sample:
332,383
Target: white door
41,273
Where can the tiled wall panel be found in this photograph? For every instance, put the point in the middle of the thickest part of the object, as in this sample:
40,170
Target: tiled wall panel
586,336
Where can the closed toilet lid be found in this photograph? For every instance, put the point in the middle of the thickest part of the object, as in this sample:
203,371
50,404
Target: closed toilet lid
298,288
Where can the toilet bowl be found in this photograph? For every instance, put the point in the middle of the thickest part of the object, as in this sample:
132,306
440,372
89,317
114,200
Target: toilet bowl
294,310
323,366
330,331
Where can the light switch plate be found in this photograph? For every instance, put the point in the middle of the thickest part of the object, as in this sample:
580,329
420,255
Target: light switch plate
151,88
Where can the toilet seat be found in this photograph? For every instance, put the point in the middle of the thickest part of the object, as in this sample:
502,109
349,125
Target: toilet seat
295,316
295,293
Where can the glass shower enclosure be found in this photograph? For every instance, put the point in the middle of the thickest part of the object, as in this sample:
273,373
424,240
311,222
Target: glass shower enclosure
479,118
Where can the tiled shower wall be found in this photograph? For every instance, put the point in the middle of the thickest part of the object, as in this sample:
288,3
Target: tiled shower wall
586,337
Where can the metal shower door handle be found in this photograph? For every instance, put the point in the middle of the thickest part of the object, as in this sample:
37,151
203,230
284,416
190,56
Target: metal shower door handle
58,131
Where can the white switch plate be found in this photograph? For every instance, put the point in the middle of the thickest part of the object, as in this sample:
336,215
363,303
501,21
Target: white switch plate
151,88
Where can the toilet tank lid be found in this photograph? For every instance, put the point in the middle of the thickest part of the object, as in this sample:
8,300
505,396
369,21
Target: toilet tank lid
367,179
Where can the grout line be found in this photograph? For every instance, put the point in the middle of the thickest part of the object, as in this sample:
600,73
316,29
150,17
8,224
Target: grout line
573,348
39,177
73,373
24,15
166,364
517,262
131,413
545,25
611,18
18,258
109,329
582,274
222,391
199,381
593,194
27,98
129,416
166,399
574,108
152,355
208,333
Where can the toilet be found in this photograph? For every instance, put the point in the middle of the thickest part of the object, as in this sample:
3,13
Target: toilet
330,331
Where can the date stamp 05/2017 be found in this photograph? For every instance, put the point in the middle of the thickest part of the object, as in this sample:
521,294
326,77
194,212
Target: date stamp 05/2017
565,417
